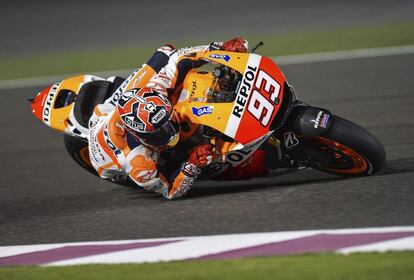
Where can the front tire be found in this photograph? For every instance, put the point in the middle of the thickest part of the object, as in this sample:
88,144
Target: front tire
346,149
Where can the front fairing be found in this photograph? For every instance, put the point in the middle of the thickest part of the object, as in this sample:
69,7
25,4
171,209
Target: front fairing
257,99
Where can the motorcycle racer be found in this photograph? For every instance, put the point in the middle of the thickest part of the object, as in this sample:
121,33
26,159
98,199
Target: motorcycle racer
129,131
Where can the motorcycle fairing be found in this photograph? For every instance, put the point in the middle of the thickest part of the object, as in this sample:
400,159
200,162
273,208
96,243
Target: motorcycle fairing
53,107
234,157
257,101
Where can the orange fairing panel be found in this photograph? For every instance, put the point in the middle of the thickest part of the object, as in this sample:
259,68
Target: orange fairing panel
43,106
257,101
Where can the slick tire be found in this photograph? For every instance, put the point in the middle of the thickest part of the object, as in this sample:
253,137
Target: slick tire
346,149
78,151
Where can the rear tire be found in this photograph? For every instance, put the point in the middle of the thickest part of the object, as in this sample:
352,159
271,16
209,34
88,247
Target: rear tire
79,152
347,149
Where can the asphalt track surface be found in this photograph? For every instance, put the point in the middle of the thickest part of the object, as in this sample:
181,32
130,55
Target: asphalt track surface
29,27
45,197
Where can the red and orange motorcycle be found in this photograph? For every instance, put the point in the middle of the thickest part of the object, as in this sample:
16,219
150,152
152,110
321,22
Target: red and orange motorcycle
240,102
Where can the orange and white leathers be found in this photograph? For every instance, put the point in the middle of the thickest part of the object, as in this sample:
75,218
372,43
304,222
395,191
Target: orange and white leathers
108,147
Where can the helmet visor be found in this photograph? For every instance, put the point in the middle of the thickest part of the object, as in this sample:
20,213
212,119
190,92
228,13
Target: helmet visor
166,135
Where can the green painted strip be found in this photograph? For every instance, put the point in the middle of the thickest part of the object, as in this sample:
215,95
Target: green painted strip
281,60
275,45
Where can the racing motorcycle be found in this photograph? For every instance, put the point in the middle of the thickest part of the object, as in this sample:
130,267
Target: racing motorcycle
240,102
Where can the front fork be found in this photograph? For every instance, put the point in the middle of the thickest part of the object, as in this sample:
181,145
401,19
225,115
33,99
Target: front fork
284,152
304,121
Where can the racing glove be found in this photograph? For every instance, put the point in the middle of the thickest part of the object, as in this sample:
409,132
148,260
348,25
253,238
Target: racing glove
237,44
167,49
199,157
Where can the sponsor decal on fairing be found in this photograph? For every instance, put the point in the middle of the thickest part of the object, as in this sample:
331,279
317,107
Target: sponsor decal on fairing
205,110
221,56
236,157
242,96
48,104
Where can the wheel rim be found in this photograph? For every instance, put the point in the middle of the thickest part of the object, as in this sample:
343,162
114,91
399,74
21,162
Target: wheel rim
343,160
84,156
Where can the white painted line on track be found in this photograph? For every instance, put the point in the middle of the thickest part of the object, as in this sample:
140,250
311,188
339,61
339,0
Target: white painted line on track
24,249
401,244
188,249
47,80
212,247
343,55
280,60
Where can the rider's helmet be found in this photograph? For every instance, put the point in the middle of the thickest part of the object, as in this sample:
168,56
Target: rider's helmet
149,117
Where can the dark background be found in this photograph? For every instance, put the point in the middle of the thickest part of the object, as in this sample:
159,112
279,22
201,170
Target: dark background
28,27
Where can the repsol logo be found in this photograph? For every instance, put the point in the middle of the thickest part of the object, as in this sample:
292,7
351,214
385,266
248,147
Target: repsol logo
244,91
48,104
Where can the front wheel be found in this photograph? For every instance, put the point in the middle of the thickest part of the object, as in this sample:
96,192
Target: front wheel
347,149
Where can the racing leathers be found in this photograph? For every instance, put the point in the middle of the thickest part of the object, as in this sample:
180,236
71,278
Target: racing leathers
114,153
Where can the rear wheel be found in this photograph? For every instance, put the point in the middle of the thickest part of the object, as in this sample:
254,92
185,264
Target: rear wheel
79,152
347,149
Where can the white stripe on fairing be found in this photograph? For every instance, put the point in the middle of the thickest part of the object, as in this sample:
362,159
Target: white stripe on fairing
234,122
281,60
193,247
